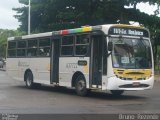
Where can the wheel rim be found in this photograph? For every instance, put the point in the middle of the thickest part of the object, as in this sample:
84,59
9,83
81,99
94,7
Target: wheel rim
28,81
81,85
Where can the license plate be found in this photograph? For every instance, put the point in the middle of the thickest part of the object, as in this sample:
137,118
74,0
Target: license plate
136,83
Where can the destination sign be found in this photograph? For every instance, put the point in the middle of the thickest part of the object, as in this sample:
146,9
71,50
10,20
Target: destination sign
128,31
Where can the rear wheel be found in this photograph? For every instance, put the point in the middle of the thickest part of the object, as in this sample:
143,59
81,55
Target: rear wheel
117,92
29,80
81,86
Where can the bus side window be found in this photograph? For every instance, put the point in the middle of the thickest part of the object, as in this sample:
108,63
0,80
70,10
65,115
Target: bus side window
21,48
12,48
67,44
82,45
44,47
32,48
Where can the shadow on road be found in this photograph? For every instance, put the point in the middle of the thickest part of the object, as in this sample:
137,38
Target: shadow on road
91,94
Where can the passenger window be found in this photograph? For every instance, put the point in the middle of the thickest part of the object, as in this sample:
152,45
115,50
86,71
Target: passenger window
45,42
67,50
12,53
11,45
82,45
21,52
21,44
81,49
32,43
44,47
32,48
21,48
82,39
67,40
67,44
44,51
12,49
31,52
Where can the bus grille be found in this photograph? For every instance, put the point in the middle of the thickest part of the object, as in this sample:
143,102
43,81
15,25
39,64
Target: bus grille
133,86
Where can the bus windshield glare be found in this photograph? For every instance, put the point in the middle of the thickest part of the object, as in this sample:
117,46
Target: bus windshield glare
131,53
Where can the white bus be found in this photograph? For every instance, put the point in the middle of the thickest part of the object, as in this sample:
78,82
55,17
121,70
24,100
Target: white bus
112,57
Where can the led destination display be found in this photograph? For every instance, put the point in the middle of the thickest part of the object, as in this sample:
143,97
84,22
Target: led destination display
128,31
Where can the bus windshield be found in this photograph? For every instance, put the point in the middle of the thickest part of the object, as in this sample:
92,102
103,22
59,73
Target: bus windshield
131,53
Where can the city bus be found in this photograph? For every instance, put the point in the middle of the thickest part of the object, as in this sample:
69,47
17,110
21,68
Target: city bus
111,57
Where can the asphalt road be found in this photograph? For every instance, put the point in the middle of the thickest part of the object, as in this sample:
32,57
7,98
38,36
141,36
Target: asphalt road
17,99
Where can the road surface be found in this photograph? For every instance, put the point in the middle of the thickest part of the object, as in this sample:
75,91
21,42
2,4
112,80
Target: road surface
17,99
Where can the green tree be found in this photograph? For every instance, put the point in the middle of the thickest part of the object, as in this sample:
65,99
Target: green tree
4,34
50,15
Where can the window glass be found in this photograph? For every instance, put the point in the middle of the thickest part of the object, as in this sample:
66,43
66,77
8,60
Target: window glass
32,43
32,52
82,44
67,45
11,53
129,53
67,40
21,52
67,50
44,42
21,44
81,49
82,39
44,47
11,45
45,51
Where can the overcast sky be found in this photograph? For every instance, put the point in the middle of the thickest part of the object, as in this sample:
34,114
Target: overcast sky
7,21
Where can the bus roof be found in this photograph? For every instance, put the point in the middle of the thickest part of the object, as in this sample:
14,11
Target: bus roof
72,31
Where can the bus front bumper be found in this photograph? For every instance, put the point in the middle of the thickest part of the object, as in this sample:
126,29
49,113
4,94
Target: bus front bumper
115,83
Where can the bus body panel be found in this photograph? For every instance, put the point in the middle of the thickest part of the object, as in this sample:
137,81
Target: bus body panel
68,66
12,67
40,68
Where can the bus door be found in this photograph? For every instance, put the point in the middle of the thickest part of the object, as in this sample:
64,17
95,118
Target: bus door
96,60
55,52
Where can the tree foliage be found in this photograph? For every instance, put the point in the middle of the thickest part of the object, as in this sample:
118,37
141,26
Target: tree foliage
50,15
4,34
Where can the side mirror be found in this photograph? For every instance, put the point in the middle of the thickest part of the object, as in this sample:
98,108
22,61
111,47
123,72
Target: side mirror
110,46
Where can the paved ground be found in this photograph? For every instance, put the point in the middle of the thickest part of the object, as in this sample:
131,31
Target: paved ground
157,77
16,98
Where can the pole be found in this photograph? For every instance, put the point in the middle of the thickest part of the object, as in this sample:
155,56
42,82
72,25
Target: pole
29,17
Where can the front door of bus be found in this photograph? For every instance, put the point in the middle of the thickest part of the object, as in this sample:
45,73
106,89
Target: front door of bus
96,60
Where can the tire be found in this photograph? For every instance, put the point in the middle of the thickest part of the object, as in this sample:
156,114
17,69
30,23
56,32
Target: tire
29,80
80,86
117,92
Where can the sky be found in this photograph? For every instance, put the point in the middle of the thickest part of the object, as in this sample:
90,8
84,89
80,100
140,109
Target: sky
7,21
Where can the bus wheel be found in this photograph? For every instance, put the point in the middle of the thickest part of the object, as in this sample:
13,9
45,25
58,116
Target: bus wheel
81,89
117,92
29,80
